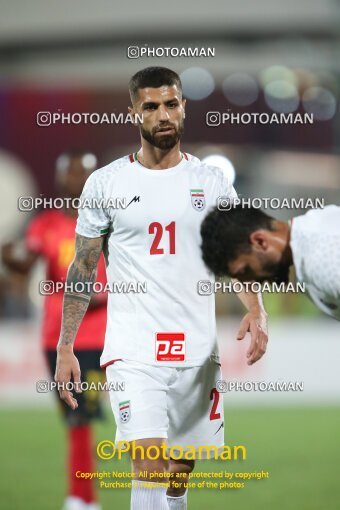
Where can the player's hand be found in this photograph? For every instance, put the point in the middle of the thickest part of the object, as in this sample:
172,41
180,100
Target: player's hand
67,369
256,324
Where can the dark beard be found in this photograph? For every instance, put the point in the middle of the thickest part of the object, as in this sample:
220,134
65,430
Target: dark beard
277,272
165,142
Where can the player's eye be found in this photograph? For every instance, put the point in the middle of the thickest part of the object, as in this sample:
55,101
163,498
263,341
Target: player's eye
150,107
173,104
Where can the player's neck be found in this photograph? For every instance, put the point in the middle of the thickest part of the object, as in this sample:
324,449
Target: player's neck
288,251
156,159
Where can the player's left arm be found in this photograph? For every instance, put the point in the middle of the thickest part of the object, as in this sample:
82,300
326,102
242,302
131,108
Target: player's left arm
254,322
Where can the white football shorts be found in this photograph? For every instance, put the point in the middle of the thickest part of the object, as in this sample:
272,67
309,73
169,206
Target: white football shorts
181,405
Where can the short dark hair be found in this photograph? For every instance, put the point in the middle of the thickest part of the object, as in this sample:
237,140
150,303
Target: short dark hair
226,235
153,77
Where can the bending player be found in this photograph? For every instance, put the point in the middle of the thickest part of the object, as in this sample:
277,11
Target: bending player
247,244
162,343
50,236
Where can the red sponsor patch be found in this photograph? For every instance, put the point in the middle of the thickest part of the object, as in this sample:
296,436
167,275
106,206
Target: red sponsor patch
170,346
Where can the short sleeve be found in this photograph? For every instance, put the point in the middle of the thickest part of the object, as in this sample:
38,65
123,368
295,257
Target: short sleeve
325,262
315,242
227,189
93,219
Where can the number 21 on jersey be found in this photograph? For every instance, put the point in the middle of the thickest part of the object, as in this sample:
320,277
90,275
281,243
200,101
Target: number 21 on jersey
164,240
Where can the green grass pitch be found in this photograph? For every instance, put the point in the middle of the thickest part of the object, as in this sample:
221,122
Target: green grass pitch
300,447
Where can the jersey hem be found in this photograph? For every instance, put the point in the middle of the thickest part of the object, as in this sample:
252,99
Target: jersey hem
174,364
110,362
91,235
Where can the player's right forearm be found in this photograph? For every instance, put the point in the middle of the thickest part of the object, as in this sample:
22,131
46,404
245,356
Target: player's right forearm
74,309
80,277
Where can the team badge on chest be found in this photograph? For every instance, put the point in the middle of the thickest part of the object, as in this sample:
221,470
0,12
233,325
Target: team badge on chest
124,411
197,199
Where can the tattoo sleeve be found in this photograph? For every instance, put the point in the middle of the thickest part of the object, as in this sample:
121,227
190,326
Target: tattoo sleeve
80,278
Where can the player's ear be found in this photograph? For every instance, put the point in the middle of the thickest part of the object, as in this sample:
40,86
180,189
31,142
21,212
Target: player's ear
259,240
184,102
134,116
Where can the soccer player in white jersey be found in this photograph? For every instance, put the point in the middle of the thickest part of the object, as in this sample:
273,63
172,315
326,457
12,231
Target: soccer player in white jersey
161,343
247,244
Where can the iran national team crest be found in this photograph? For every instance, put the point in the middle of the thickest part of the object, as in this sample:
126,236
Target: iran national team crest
197,199
124,411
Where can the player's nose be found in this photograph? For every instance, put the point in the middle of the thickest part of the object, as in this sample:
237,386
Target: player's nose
163,114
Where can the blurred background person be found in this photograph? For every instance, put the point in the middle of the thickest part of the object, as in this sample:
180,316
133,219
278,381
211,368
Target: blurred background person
50,235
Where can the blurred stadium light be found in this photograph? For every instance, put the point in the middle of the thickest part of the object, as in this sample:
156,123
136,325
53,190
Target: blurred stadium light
320,102
197,83
240,89
19,182
222,162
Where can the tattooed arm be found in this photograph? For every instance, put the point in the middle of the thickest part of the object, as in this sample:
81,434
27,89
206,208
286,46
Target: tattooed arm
80,277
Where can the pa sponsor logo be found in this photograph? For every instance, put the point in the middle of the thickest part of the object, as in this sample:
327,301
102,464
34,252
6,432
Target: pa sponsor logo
170,346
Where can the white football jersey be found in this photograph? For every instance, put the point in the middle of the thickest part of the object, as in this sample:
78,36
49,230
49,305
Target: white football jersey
155,240
315,243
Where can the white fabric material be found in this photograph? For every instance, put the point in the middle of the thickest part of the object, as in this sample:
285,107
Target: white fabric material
171,266
315,244
179,503
74,503
148,496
